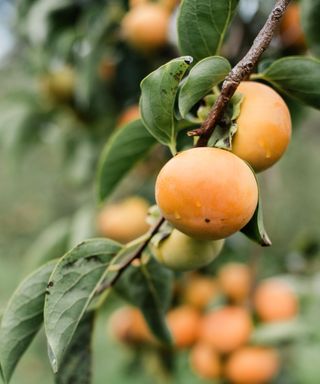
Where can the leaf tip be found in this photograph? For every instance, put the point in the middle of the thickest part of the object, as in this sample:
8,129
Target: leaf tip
53,359
265,240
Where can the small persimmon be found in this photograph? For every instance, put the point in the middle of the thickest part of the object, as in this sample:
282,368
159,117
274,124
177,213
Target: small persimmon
263,126
207,193
59,85
235,281
183,253
145,26
252,365
274,300
183,323
125,220
199,291
128,326
205,361
291,32
226,329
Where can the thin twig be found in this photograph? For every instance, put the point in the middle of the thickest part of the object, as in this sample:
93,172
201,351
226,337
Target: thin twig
240,72
229,87
136,255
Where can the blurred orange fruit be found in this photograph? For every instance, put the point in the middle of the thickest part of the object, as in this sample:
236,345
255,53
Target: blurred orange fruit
124,221
235,281
183,323
128,326
226,329
274,300
290,28
199,291
252,365
145,26
205,361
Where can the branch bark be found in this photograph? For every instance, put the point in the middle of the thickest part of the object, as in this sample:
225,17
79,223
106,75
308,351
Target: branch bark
240,72
229,87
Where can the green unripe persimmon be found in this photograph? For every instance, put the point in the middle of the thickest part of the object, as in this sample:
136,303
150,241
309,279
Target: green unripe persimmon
183,253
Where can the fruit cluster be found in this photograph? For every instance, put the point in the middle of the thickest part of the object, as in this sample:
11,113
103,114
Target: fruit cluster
215,319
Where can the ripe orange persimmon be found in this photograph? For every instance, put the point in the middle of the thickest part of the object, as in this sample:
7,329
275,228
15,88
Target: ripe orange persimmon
129,114
252,365
264,126
205,361
226,329
184,253
124,221
207,193
128,326
235,281
199,291
291,31
274,300
145,26
183,323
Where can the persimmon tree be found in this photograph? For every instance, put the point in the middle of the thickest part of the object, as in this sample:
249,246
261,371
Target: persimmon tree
192,101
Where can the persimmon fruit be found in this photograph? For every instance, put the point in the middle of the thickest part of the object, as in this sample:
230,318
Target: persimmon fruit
252,365
183,323
145,26
274,300
205,361
235,281
183,253
59,85
199,291
291,32
207,193
264,126
226,329
125,220
128,326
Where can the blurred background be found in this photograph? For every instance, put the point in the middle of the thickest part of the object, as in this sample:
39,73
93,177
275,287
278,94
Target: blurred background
69,76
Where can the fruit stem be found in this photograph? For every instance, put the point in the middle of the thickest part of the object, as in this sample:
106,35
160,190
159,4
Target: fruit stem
240,72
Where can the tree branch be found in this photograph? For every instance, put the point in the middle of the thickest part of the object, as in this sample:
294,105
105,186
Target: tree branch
229,87
240,72
136,255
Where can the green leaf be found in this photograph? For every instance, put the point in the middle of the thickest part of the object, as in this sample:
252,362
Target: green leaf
284,331
206,74
71,288
76,365
123,150
158,97
297,77
255,229
202,25
149,287
22,319
310,16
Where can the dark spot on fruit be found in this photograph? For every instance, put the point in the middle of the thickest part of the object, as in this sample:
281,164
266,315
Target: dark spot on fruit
207,220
